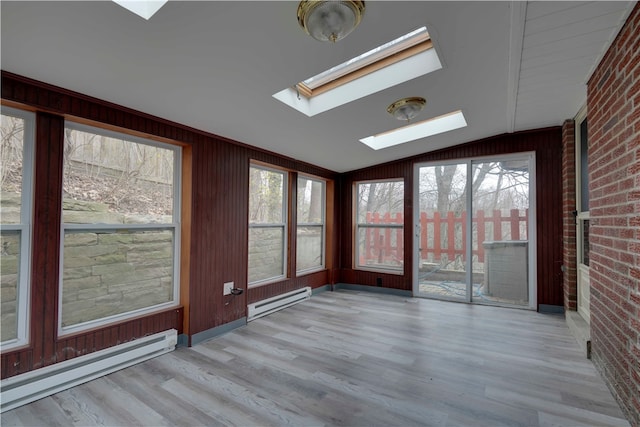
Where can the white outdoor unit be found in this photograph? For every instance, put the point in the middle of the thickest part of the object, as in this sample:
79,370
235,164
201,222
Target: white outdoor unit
31,386
270,305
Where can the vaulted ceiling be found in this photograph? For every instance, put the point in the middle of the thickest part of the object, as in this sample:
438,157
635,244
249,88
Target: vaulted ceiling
508,66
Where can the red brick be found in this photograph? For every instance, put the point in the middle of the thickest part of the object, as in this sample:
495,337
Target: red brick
613,102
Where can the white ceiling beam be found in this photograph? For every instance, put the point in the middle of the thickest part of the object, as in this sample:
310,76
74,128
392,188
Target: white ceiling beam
516,38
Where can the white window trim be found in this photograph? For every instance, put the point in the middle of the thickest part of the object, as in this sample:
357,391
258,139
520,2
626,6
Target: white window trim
283,225
175,226
24,228
323,226
359,225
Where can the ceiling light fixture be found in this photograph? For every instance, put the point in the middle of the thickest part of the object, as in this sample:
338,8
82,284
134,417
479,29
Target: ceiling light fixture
329,20
407,108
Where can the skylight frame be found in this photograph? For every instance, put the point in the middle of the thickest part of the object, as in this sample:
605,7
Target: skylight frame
424,129
414,55
389,53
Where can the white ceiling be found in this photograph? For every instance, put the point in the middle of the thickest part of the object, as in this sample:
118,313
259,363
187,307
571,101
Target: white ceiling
508,66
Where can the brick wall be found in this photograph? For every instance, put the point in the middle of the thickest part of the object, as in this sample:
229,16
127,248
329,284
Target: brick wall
613,102
569,278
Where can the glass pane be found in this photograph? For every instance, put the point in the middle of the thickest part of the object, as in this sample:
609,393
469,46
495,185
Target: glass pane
266,196
107,273
9,279
310,201
266,253
309,247
11,151
442,266
380,202
584,167
500,201
381,247
113,181
585,242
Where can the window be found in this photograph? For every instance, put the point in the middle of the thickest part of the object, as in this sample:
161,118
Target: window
411,132
584,166
267,225
403,47
310,224
380,225
16,154
121,231
405,58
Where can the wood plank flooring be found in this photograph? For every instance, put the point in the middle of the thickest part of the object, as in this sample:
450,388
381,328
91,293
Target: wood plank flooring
351,358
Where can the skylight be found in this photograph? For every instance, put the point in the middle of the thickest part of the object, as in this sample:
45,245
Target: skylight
405,58
418,38
144,8
423,129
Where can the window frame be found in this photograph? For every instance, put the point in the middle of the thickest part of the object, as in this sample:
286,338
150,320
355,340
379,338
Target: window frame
360,225
389,53
322,225
24,228
175,226
284,225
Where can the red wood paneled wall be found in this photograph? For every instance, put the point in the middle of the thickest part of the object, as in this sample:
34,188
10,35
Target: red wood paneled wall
218,218
546,143
218,185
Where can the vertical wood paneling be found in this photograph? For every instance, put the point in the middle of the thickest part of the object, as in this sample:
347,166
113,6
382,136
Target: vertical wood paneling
292,218
46,236
89,341
221,174
313,280
217,241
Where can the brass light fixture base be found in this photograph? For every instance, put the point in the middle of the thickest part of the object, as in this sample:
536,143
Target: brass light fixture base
407,108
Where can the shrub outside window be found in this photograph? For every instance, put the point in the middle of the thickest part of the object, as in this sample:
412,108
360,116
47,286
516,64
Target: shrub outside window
121,234
267,225
16,194
380,226
310,232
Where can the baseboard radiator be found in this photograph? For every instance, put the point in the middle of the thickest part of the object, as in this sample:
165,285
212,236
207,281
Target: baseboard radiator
270,305
31,386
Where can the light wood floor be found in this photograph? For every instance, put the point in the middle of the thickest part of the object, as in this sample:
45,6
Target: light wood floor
355,358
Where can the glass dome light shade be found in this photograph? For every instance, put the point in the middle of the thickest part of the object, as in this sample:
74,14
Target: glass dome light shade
329,20
406,108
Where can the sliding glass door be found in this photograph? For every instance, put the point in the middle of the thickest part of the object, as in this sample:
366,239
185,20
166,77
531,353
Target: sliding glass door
473,238
441,231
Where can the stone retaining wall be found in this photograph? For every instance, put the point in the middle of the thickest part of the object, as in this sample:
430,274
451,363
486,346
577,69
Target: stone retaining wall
104,273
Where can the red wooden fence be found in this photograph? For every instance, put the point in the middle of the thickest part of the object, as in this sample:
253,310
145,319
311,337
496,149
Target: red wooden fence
386,245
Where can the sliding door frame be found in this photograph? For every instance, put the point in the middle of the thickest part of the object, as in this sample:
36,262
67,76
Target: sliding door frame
531,229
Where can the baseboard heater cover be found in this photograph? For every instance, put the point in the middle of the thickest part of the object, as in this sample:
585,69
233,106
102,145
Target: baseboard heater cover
270,305
31,386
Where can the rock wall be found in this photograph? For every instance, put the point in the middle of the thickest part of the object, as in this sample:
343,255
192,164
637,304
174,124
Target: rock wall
9,265
104,273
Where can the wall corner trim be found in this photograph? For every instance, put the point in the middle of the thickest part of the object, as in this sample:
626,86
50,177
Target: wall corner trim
320,289
550,309
217,331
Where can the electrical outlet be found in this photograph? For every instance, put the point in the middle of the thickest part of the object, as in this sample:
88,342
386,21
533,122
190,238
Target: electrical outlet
228,286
